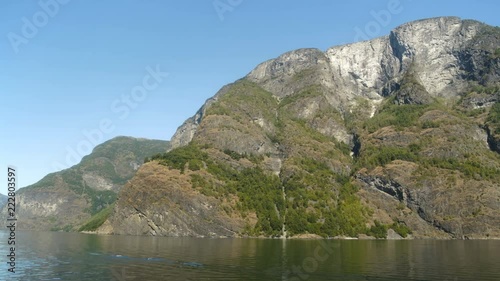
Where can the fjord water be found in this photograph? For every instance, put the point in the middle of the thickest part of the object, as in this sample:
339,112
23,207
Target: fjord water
74,256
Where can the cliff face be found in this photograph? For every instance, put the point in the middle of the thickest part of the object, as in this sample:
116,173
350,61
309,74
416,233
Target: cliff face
65,200
179,210
401,129
439,51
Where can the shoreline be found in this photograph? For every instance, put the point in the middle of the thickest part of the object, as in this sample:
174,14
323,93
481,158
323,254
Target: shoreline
297,237
304,237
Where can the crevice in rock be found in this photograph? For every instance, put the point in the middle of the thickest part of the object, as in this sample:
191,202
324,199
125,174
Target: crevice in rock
283,227
443,229
153,227
493,144
395,190
390,87
140,212
356,148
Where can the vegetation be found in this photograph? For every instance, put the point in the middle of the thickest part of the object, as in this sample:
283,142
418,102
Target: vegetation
496,54
401,229
337,209
257,190
178,158
98,219
380,156
336,212
349,217
494,117
494,114
307,93
244,100
64,228
237,156
315,191
261,193
99,199
407,118
471,168
121,146
487,38
378,230
399,116
304,74
480,89
110,160
319,196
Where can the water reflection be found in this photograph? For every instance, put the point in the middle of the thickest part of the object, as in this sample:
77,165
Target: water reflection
72,256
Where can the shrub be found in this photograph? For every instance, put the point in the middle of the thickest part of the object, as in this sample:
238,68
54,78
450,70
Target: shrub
178,158
233,154
378,230
497,53
494,117
401,229
399,116
380,156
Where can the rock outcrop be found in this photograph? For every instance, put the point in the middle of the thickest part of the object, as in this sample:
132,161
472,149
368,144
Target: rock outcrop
179,211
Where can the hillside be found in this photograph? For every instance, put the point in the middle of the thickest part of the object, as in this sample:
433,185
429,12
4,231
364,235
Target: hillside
67,199
400,132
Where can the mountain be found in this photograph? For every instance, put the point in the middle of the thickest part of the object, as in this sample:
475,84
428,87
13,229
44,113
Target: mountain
395,135
3,200
67,199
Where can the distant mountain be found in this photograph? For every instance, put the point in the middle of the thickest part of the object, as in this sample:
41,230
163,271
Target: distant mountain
3,200
397,134
65,200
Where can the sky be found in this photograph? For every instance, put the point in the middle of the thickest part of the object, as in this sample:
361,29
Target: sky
75,73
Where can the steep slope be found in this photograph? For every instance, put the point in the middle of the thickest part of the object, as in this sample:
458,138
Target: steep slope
66,199
400,131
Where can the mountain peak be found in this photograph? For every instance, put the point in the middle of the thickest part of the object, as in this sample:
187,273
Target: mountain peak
432,50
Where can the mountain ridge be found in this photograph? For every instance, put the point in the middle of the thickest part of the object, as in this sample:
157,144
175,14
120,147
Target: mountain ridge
396,135
305,58
64,200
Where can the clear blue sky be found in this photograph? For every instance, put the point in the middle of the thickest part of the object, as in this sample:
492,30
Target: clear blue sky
68,67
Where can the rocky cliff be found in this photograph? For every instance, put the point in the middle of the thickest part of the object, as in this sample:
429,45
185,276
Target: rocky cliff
442,52
397,132
67,199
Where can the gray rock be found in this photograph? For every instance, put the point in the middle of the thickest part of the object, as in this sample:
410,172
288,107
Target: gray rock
437,51
392,235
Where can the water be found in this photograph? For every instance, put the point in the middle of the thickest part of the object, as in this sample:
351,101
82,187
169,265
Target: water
73,256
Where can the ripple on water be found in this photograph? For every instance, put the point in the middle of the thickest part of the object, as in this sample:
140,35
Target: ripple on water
69,256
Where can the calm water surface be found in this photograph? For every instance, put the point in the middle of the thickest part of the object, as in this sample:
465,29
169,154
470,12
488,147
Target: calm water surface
72,256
